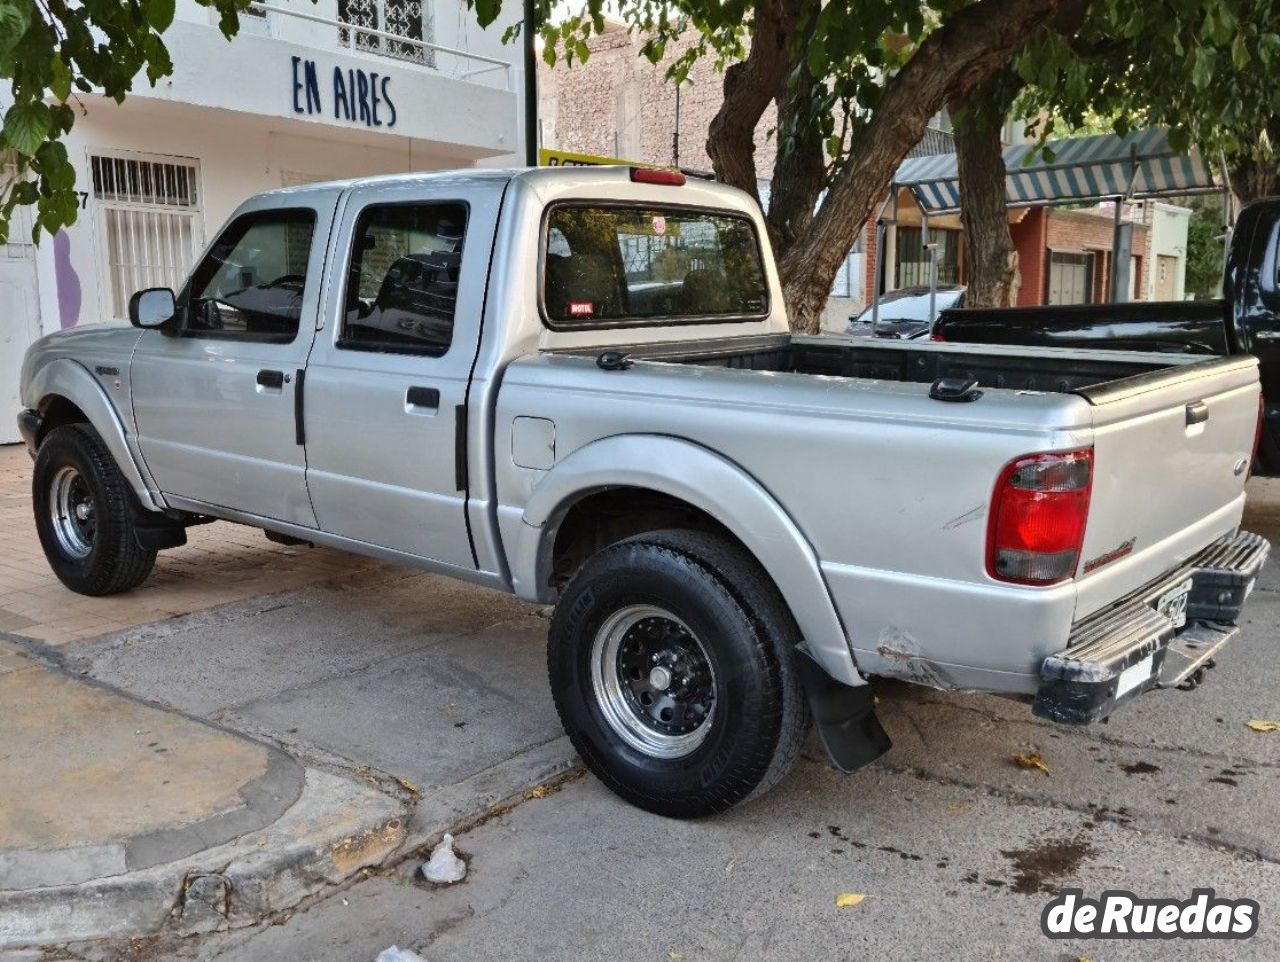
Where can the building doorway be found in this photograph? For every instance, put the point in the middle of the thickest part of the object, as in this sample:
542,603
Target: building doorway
151,225
19,312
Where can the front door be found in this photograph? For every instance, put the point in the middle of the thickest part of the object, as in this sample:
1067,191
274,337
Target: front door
215,405
386,388
1166,277
19,327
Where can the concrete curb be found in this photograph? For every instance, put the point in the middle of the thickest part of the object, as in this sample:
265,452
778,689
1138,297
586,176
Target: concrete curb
335,828
455,808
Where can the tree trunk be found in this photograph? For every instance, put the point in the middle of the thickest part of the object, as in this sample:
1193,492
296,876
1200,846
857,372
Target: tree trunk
991,260
1253,177
749,86
971,45
799,166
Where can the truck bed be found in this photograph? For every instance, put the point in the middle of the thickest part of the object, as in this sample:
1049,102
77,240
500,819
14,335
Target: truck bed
1036,369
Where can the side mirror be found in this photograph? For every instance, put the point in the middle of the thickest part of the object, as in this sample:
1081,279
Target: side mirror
153,308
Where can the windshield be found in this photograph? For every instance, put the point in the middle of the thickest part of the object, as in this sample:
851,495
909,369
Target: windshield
618,265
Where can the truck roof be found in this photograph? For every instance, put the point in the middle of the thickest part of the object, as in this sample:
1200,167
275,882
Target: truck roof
548,178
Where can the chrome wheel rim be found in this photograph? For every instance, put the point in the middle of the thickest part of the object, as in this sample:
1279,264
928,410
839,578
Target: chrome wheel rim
72,512
653,681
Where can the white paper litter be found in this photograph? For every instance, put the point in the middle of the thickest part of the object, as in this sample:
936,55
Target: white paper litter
444,866
396,954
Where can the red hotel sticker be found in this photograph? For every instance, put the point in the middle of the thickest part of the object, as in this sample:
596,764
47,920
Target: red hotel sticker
582,308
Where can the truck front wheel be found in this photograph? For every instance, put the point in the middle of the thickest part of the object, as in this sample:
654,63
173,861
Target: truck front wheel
84,514
671,657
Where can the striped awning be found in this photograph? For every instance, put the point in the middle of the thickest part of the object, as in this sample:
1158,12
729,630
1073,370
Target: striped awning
1137,165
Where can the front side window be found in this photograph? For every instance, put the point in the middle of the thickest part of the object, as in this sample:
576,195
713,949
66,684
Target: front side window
251,283
618,265
402,286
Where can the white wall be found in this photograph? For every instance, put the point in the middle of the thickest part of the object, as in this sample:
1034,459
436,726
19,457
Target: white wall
237,156
1169,237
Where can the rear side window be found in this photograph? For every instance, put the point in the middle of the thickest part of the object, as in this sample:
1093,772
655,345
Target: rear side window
250,284
402,286
614,266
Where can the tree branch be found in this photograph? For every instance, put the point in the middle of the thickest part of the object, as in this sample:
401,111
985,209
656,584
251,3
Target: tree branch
970,45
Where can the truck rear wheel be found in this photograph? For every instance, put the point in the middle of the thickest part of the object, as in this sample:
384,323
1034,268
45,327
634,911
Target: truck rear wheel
671,657
84,514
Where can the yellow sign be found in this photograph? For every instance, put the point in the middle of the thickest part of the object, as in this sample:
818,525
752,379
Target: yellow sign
565,158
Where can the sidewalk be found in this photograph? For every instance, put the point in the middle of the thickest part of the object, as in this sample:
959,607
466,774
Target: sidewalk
220,563
252,726
117,818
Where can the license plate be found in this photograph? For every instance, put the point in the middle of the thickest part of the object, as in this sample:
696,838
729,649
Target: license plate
1173,603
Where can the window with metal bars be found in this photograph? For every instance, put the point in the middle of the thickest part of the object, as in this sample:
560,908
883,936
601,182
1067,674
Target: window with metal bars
411,19
151,227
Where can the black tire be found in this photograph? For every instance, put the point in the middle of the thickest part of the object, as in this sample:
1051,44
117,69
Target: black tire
760,719
114,560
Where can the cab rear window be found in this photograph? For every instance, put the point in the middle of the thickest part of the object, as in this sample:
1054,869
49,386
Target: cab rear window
615,266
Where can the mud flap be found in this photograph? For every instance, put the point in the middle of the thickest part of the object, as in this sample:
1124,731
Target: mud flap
845,717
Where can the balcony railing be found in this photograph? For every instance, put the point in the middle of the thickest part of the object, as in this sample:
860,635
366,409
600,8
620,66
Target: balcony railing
358,39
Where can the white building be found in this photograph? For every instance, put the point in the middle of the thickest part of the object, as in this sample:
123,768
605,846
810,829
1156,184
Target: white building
1167,278
301,94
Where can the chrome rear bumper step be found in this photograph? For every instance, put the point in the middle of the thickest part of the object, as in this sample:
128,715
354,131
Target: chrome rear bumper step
1120,652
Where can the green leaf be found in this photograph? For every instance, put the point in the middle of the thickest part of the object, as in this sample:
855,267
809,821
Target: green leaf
158,14
1202,67
60,78
487,11
14,20
25,127
1239,53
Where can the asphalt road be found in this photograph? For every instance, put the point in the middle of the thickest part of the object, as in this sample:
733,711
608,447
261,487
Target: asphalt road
956,848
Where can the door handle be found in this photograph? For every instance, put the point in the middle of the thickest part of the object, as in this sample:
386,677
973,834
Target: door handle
271,379
422,397
1197,413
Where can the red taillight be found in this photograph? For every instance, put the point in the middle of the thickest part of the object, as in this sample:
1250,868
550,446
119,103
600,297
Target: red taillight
1038,515
651,175
936,337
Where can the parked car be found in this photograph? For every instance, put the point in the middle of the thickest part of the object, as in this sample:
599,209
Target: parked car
1245,321
904,313
660,467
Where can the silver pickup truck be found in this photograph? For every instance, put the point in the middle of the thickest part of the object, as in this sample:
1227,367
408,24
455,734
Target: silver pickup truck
579,386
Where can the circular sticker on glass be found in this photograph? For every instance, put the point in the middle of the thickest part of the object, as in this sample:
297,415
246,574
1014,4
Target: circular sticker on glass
659,224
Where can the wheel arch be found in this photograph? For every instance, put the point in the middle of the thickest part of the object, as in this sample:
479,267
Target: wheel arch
67,393
667,476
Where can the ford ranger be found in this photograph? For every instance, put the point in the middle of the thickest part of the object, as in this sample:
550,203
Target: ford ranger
580,386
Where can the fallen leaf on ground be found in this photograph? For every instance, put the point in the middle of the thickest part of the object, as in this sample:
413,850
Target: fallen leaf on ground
542,791
847,900
675,956
1258,725
1031,761
409,787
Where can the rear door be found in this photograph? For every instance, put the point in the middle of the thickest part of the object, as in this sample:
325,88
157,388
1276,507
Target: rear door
215,406
386,387
1171,457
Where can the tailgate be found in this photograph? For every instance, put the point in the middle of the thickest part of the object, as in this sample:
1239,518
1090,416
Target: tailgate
1171,457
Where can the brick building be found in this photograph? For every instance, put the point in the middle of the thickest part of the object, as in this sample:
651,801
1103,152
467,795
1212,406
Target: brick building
618,104
1064,255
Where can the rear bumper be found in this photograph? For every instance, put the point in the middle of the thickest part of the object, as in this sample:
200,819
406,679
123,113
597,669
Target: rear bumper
29,422
1122,651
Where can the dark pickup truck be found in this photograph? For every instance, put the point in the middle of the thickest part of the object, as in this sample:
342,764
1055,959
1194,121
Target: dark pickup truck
1245,321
